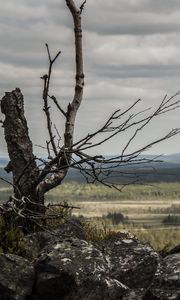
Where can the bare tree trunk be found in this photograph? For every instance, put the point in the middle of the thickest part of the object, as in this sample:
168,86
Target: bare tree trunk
72,109
22,160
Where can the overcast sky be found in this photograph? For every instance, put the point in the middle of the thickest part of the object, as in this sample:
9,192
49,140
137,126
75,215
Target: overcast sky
131,51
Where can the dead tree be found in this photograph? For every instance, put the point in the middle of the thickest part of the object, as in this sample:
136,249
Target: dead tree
30,181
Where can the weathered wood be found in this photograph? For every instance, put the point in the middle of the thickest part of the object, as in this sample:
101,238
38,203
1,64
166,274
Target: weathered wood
78,95
19,145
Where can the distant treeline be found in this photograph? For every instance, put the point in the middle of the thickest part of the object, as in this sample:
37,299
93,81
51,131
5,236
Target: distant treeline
153,173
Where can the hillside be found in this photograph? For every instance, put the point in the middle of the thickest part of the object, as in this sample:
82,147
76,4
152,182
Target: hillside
166,170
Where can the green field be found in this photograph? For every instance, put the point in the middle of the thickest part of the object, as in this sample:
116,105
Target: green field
142,204
74,191
145,206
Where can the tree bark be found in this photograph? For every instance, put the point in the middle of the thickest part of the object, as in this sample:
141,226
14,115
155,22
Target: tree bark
22,160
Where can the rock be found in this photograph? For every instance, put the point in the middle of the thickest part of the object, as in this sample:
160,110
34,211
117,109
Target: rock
68,267
166,282
164,252
75,269
130,262
16,277
137,294
71,228
38,241
102,288
175,250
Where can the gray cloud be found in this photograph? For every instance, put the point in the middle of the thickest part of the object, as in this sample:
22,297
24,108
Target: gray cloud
133,23
128,17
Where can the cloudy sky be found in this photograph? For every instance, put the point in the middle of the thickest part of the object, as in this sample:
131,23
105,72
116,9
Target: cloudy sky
131,51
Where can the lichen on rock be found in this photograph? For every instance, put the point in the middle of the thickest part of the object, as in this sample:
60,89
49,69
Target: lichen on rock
69,267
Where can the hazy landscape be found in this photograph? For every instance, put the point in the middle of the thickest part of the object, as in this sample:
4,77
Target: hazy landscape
164,168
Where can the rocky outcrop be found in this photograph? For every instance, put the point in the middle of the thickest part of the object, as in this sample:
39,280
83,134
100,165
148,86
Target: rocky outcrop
68,267
78,271
127,259
17,276
166,281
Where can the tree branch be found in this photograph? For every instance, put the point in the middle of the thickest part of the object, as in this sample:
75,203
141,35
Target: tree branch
46,108
58,106
82,6
131,121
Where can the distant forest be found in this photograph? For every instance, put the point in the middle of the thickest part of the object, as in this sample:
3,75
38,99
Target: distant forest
168,170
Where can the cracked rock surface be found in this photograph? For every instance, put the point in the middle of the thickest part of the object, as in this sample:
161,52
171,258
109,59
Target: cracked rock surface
68,267
17,276
166,282
77,264
130,262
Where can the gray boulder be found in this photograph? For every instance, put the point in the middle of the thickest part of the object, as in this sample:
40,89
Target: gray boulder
38,241
75,269
166,282
16,277
136,294
130,262
68,267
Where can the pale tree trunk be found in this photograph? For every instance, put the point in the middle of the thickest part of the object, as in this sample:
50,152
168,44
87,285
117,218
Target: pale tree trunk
72,109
